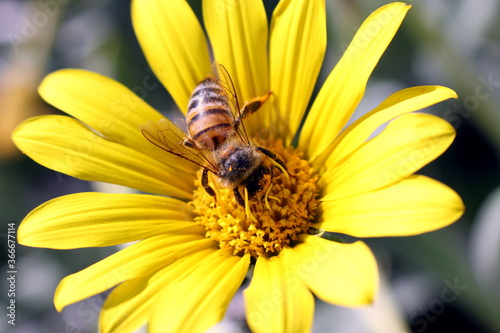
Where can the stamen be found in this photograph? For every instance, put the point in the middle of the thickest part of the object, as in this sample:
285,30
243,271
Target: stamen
262,228
275,198
283,171
266,196
248,212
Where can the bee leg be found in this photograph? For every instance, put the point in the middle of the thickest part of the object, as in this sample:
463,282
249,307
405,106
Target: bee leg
188,143
238,197
204,183
250,107
276,161
274,157
253,105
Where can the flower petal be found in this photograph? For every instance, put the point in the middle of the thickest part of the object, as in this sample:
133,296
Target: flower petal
238,35
138,260
407,144
127,307
130,304
345,86
108,107
64,144
297,48
343,274
102,219
277,300
204,294
412,206
399,103
174,45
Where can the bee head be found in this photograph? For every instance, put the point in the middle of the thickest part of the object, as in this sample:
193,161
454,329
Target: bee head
237,165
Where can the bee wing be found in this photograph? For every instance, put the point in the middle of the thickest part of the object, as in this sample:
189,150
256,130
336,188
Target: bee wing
226,82
165,135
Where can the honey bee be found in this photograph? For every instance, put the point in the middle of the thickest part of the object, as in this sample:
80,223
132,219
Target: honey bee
217,141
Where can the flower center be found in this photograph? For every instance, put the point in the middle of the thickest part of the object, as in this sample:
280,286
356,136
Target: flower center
265,228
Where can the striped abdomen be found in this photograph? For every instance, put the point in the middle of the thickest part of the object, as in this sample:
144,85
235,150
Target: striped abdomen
209,118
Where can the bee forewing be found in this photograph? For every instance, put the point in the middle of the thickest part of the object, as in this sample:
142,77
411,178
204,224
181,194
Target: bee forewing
165,135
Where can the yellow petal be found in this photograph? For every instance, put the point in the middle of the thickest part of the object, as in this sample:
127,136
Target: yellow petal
399,103
346,84
138,260
108,107
131,303
174,45
101,219
127,307
407,144
277,300
413,206
343,274
200,299
64,144
297,48
238,35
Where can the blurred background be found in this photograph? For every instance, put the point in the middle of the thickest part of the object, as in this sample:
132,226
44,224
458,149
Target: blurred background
441,281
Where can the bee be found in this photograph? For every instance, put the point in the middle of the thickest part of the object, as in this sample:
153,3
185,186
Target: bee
217,141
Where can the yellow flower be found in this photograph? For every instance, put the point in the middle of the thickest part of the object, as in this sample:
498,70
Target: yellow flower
192,255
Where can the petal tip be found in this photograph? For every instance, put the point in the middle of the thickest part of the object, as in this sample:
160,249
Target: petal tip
58,303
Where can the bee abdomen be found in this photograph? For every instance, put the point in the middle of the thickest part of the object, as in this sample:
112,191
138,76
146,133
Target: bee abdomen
208,92
209,118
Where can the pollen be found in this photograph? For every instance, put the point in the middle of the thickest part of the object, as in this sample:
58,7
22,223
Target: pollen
269,224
